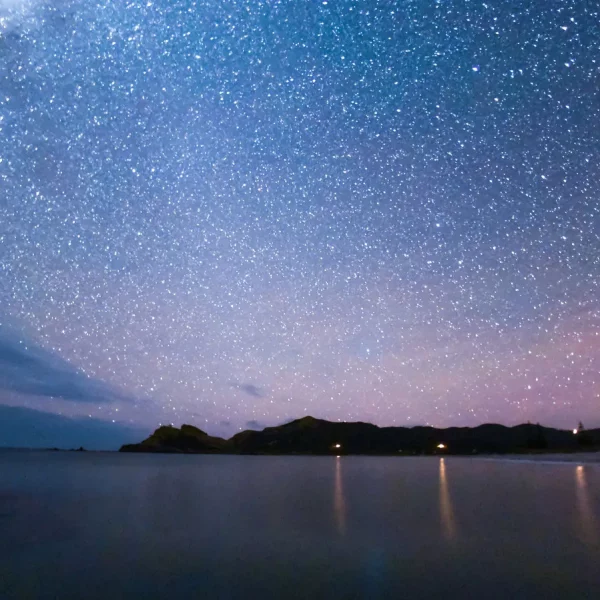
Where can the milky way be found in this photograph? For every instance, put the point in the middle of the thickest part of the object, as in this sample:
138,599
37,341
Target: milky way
240,212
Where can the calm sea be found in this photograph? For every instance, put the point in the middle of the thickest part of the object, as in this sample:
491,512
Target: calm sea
94,525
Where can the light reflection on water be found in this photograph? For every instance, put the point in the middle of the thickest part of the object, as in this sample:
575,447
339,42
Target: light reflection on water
144,526
587,521
339,504
447,516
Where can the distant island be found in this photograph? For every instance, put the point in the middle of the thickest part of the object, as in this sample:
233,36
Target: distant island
319,437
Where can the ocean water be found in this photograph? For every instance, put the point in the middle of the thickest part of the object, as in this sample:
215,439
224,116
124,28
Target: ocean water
107,525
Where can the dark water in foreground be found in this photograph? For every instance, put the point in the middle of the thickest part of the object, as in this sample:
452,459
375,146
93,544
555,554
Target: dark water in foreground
138,526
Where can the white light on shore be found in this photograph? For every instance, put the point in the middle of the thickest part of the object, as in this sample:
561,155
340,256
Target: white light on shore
338,446
575,431
441,446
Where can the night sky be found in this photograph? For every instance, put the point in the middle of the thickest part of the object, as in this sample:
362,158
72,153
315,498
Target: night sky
234,213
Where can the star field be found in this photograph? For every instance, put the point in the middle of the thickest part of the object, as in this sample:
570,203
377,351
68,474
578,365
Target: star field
241,212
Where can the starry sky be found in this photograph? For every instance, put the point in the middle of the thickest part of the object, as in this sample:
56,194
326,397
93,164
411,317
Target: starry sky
234,213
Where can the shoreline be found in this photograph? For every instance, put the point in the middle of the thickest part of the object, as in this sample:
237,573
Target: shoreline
565,458
554,458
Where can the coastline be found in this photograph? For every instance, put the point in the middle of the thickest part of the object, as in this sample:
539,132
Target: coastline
554,458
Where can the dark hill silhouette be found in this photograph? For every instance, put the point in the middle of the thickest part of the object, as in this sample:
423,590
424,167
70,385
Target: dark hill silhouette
316,436
188,439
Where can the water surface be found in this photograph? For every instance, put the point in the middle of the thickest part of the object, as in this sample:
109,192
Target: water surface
102,525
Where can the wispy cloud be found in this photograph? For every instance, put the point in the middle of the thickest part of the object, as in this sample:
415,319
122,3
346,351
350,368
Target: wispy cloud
28,369
24,427
252,390
15,12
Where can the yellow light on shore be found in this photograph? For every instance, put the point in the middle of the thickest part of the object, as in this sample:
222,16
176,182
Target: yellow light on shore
441,446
